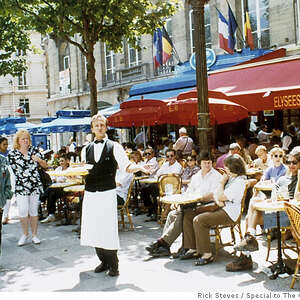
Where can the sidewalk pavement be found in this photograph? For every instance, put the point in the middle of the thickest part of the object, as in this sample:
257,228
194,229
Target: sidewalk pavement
59,263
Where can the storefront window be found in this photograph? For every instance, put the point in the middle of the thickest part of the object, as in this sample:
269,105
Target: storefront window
259,19
207,27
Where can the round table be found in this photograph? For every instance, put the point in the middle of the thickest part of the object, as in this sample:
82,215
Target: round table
180,199
265,186
57,185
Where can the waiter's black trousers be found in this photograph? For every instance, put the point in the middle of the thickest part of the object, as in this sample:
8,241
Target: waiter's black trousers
108,257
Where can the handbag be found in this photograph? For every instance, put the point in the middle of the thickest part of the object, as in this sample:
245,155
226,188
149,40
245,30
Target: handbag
44,177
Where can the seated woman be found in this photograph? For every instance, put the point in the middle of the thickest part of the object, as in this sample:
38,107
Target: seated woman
255,217
229,197
249,243
191,169
264,160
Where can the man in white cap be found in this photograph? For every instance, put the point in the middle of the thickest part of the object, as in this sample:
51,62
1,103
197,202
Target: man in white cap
184,143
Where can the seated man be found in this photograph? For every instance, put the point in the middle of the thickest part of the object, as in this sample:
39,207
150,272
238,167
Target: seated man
204,182
148,190
234,148
249,243
51,193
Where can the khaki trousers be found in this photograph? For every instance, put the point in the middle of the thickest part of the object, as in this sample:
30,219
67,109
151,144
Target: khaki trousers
173,226
196,228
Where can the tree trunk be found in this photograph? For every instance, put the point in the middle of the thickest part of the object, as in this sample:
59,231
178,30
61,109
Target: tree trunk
91,73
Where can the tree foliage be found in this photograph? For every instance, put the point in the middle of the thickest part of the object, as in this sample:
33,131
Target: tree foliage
108,21
13,39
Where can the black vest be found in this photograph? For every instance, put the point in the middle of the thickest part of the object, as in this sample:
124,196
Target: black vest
102,176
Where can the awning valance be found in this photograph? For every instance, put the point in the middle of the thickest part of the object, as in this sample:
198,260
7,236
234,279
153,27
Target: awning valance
267,86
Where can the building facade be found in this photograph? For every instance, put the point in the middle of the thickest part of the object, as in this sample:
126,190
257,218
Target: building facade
275,24
28,91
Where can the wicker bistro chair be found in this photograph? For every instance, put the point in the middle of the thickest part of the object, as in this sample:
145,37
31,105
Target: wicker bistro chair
234,227
293,213
164,182
123,209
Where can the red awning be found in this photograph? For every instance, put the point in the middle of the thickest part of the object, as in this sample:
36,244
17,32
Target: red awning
268,86
137,113
184,110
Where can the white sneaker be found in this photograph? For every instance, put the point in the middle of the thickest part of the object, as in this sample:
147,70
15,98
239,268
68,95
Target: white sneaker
23,240
36,240
50,218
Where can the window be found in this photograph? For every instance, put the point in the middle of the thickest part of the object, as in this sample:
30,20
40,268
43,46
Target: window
134,55
259,20
20,53
208,43
66,62
25,104
22,83
110,64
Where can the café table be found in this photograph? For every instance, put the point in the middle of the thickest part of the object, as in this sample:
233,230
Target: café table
275,206
57,185
264,186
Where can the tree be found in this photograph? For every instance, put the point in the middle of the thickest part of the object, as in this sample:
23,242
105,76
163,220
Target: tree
13,40
108,21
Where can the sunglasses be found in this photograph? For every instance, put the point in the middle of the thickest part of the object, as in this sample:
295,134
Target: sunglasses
147,153
168,156
189,159
276,155
294,162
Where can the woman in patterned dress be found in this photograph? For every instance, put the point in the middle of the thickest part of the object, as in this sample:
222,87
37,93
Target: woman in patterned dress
24,160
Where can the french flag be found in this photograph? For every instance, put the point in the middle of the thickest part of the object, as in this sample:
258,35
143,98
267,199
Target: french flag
224,34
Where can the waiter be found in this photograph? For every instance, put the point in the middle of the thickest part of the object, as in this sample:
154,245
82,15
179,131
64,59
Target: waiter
99,209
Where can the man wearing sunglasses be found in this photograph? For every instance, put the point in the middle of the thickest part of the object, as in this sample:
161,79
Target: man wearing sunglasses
151,190
249,243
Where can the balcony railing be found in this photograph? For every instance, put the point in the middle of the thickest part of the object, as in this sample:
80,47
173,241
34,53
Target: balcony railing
138,72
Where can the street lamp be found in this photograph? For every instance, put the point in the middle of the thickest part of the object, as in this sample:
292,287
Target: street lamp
204,129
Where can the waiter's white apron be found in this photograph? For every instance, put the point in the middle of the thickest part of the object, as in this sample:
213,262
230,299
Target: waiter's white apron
99,227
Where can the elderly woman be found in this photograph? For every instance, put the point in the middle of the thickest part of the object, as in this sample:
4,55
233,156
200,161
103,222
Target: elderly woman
264,160
24,161
229,199
5,188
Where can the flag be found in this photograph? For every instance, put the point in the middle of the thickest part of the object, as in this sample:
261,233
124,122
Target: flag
232,26
157,41
248,32
167,46
163,47
223,33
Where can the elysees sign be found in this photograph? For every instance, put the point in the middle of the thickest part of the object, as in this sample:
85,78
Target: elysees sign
287,101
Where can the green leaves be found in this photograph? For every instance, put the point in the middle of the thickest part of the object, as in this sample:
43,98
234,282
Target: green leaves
13,39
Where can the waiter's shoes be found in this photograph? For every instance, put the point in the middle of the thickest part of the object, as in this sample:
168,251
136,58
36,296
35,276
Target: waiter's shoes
50,218
248,243
241,263
101,268
113,272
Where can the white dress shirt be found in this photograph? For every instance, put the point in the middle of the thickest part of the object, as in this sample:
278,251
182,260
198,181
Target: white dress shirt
166,168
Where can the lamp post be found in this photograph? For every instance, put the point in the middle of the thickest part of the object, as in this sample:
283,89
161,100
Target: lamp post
204,129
